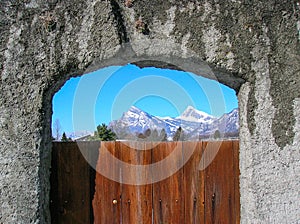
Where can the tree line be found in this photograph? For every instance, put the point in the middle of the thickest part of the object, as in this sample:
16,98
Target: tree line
104,133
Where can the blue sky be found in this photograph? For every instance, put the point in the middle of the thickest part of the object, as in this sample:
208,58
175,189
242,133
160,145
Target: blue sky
99,97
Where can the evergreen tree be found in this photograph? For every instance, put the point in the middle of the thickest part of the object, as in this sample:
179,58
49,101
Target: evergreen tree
217,134
64,138
179,135
103,133
141,136
163,135
154,135
146,136
147,133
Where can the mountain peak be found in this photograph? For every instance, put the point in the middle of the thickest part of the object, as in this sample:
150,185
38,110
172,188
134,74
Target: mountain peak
189,108
135,112
192,121
194,115
133,108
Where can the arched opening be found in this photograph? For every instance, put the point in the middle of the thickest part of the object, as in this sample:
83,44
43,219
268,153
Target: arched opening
144,99
172,97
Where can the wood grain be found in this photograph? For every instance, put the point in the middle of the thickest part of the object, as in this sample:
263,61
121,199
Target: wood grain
191,194
168,200
193,183
70,197
219,184
236,181
136,199
107,199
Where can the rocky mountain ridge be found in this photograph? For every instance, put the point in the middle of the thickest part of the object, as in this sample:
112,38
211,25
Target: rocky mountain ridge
193,122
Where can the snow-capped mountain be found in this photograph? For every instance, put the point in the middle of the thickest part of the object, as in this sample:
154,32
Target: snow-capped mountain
194,123
229,122
136,121
193,115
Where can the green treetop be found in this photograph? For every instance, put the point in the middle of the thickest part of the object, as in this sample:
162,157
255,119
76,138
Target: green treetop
103,133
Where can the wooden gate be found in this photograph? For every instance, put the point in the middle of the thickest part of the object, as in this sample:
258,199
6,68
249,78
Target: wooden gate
72,182
190,195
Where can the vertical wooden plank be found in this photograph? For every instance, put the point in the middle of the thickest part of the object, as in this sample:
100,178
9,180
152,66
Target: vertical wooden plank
168,201
54,191
236,181
107,198
72,204
193,183
136,199
90,152
219,183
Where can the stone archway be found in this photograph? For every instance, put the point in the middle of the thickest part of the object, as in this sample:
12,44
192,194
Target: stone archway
43,44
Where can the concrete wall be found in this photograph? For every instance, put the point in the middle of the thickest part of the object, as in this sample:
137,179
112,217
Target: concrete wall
251,46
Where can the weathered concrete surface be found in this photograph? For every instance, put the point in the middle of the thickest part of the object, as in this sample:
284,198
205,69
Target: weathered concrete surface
43,43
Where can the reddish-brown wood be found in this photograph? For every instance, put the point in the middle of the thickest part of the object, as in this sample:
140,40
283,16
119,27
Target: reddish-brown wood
168,200
107,199
136,199
236,181
70,195
219,183
190,195
193,183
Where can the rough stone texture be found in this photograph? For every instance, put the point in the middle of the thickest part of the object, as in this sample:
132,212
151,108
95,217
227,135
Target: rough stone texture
251,46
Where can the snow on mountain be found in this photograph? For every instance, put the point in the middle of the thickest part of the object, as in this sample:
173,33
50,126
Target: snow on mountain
192,121
193,115
228,123
136,121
